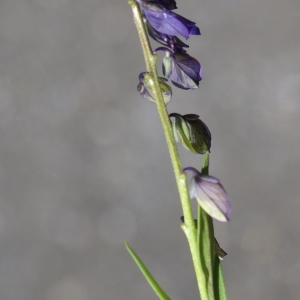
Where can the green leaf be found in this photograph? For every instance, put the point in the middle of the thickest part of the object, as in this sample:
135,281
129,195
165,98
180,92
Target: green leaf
219,282
207,247
153,283
205,238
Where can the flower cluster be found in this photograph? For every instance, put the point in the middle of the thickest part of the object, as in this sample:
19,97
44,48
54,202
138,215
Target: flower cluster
184,71
165,27
156,19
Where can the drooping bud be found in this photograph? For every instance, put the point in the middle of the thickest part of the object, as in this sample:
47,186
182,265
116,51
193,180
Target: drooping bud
145,87
210,195
191,132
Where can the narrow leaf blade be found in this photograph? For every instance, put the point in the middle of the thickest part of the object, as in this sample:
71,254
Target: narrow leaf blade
219,282
205,238
153,283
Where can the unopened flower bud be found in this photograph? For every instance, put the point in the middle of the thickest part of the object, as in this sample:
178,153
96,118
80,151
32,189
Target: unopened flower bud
192,132
145,88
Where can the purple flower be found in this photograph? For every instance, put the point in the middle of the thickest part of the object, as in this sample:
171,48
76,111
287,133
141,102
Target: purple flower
156,35
172,42
145,88
210,195
182,69
177,45
166,21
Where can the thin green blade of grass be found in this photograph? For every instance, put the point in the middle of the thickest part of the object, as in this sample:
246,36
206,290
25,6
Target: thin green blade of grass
153,283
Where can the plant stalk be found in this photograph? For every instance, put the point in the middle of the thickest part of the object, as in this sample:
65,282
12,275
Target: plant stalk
189,224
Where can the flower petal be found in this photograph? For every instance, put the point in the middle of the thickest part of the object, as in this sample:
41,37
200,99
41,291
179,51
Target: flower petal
182,69
210,195
167,22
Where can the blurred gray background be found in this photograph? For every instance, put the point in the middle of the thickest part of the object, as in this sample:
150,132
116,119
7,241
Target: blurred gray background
84,165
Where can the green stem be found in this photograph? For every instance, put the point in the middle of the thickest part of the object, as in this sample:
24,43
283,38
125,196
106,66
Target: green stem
189,224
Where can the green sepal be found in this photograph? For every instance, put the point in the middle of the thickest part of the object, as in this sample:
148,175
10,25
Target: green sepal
184,126
153,283
184,132
167,65
181,131
186,143
175,132
200,134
